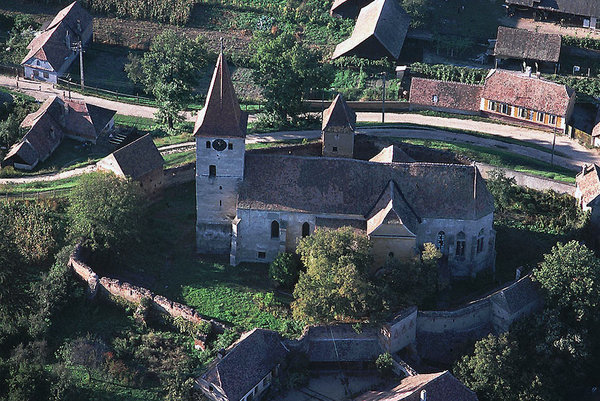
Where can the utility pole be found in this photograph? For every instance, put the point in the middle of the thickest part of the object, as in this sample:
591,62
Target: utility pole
383,99
78,47
553,141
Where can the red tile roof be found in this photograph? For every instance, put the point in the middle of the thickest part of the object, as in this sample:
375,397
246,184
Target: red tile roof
444,94
529,92
588,182
221,115
51,45
440,386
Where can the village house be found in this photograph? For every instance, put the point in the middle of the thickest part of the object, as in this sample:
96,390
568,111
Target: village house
579,12
505,95
339,123
441,386
139,160
56,119
533,48
246,369
253,206
52,52
380,30
528,99
452,97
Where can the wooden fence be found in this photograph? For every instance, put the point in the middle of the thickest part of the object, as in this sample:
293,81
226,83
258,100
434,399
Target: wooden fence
105,93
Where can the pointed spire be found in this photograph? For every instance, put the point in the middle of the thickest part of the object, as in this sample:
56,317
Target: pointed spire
221,115
339,116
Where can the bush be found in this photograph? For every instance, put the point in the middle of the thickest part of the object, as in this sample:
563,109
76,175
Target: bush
284,269
453,73
384,364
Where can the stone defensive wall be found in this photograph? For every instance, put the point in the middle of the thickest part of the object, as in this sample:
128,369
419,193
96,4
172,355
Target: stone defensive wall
442,336
179,175
105,286
529,180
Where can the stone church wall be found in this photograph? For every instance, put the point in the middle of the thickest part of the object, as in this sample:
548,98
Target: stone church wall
108,287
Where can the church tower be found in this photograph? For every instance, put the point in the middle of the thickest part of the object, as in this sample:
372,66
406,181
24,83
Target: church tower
337,132
220,133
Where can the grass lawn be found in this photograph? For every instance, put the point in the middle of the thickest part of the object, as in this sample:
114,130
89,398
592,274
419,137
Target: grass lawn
499,158
166,262
39,186
179,158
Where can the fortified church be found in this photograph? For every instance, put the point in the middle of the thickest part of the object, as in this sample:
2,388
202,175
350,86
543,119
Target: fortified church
255,205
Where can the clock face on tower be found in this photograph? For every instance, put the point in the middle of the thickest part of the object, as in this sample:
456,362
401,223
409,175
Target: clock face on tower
219,144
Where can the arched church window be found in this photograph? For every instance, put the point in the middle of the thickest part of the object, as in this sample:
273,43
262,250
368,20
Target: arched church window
274,229
212,170
461,244
441,240
305,230
480,241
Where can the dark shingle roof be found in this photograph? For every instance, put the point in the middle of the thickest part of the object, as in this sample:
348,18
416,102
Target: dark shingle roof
380,31
526,45
221,115
518,295
444,94
348,8
530,92
440,386
392,207
249,360
527,3
50,45
584,8
339,116
348,346
139,157
349,186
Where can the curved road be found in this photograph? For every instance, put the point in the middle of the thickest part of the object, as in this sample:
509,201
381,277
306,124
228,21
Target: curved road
423,133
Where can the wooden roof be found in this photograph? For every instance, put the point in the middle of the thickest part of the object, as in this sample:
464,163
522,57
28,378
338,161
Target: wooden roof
379,32
526,45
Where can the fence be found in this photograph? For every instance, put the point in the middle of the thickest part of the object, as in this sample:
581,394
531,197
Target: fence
51,194
105,93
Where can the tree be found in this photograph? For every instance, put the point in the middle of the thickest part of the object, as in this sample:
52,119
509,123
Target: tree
284,269
410,282
570,279
105,211
336,284
87,352
502,189
287,70
385,364
169,71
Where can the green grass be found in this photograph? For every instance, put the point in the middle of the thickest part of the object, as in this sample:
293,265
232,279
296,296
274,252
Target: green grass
173,139
39,186
167,263
499,158
141,123
179,158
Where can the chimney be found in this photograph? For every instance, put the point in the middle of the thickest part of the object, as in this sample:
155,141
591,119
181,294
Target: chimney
423,395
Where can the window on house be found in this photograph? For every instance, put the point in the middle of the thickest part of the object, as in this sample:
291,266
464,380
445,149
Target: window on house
207,144
505,109
274,229
461,244
334,149
305,230
230,146
212,170
435,98
551,119
441,239
491,105
540,117
480,241
36,73
46,75
522,112
530,114
262,255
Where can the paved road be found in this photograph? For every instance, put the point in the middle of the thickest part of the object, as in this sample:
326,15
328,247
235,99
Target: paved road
426,133
41,91
578,154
